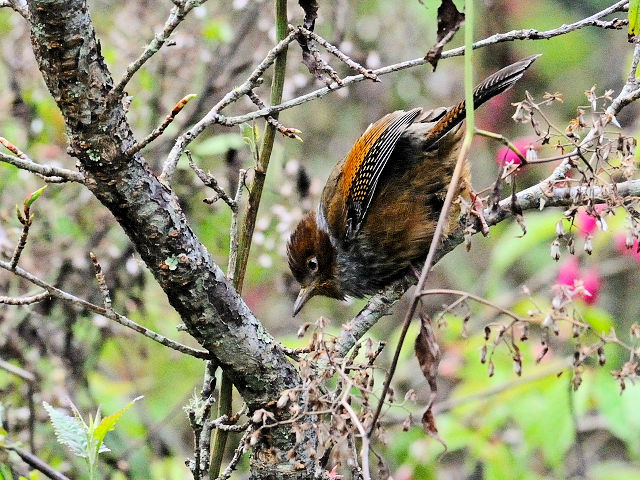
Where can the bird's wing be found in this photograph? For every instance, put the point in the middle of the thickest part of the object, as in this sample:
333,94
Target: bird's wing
365,162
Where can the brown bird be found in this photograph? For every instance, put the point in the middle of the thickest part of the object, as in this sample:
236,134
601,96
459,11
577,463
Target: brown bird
381,203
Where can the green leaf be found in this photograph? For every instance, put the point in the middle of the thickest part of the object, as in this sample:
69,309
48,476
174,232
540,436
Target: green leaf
634,17
5,472
69,431
108,423
33,197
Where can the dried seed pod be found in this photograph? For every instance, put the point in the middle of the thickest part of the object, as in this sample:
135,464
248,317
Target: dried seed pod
555,250
602,359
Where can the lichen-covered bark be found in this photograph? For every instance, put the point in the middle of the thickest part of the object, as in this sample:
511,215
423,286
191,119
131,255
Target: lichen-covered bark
69,57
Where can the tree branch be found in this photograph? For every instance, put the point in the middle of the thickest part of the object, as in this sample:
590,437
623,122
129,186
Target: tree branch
526,34
150,214
48,172
528,199
108,313
176,16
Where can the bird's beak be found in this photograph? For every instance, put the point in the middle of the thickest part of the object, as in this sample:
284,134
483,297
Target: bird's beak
305,294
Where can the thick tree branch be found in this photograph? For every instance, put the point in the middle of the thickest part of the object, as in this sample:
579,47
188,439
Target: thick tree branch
69,58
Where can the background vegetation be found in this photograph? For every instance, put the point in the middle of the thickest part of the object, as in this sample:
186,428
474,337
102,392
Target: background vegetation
495,427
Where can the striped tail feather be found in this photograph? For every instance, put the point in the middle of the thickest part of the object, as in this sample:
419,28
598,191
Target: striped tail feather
489,88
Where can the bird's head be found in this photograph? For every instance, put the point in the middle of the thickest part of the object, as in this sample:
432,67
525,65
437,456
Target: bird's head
313,262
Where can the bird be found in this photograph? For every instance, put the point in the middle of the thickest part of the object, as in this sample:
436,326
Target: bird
379,208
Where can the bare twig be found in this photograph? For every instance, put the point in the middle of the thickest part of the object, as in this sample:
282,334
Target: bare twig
102,283
35,462
364,449
162,127
26,219
332,49
26,300
176,16
464,295
525,34
237,455
286,131
213,116
121,319
17,371
49,173
211,182
199,411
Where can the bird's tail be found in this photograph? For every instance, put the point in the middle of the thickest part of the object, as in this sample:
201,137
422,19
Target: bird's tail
489,88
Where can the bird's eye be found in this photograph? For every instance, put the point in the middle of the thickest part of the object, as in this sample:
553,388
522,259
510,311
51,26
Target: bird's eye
312,264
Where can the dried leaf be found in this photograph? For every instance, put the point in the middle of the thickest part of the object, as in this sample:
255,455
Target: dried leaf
428,353
310,8
429,425
449,21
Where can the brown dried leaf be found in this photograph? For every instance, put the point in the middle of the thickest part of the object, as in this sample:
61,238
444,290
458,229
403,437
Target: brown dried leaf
429,425
428,353
310,8
449,21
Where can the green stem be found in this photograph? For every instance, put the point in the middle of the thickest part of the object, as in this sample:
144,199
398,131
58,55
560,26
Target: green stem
248,225
255,190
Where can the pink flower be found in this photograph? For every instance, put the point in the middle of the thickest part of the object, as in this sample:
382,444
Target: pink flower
506,155
584,285
586,223
621,245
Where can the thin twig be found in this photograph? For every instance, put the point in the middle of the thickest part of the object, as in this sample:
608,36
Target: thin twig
26,219
49,173
237,455
213,116
26,300
332,49
121,319
364,449
160,128
35,462
286,131
17,371
211,182
464,295
525,34
505,141
176,16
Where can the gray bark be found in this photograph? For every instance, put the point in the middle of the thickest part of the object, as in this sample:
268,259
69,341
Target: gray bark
69,57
